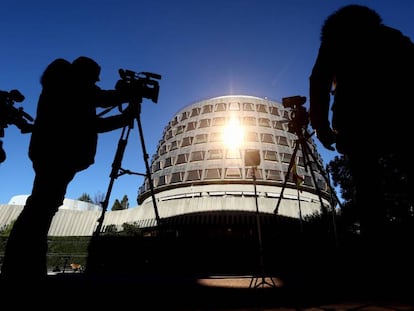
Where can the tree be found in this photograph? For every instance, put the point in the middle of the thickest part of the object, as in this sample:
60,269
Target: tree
117,206
120,205
347,220
99,198
85,198
125,202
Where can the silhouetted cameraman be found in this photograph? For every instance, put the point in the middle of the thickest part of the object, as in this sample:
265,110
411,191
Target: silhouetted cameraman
367,67
63,142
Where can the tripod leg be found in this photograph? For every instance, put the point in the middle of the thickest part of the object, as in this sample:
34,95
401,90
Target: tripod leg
306,152
292,159
116,165
148,171
325,177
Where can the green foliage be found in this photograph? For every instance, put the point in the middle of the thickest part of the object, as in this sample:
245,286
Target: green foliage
121,205
66,250
117,206
85,198
124,202
128,229
5,230
131,229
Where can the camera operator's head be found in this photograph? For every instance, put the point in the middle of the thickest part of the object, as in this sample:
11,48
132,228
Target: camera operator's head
350,21
86,69
56,73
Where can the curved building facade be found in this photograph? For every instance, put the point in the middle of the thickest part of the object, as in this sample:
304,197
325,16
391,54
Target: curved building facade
220,154
220,161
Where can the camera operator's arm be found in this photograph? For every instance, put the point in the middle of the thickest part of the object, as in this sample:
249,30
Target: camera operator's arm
111,123
320,86
109,98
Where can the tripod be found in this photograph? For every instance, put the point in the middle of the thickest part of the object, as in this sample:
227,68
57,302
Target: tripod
302,142
117,170
254,282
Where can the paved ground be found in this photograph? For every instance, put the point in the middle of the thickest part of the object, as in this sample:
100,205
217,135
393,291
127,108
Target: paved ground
244,293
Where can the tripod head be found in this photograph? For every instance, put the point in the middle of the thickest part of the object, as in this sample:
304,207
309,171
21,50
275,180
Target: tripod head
299,117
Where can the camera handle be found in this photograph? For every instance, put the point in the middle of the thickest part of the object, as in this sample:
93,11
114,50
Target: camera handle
117,170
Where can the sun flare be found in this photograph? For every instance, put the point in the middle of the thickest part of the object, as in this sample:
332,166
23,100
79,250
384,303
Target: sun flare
233,134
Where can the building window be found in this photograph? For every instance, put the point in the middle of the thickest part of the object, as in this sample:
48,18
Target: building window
282,140
184,116
167,162
163,150
194,175
274,111
220,121
204,123
251,137
278,125
233,154
257,172
207,109
261,108
174,121
216,136
212,173
264,122
270,155
161,181
249,121
234,106
200,138
220,107
274,175
286,157
266,138
197,156
191,126
232,173
215,154
187,141
156,166
168,135
182,158
248,107
195,112
176,177
174,145
180,129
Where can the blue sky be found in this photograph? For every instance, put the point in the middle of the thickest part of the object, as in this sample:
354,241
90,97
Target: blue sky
202,49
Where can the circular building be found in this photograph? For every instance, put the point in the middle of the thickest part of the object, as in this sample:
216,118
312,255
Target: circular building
224,159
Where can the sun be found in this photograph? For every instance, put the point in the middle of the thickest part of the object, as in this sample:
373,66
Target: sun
233,134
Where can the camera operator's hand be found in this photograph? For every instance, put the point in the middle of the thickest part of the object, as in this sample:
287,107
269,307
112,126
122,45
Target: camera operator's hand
327,137
2,153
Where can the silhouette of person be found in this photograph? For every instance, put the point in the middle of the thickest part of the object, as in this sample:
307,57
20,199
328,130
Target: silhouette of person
63,142
367,68
2,152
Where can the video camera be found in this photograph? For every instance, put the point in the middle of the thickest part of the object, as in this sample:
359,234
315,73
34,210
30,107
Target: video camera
12,115
299,117
142,84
